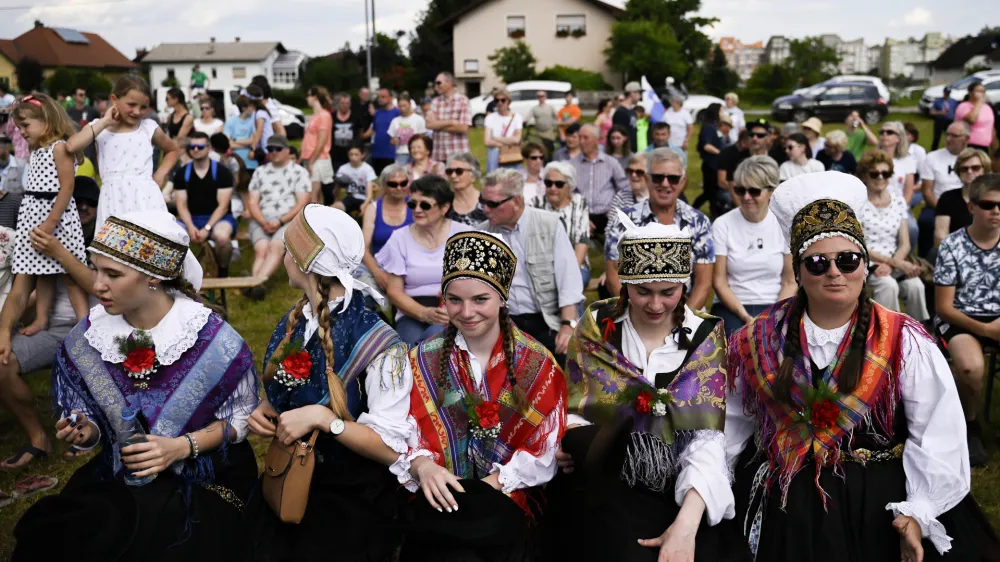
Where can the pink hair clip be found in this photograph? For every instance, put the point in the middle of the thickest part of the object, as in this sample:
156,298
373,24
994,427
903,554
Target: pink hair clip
31,99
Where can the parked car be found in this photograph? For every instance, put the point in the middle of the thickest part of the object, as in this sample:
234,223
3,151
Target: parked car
523,98
960,89
883,90
833,102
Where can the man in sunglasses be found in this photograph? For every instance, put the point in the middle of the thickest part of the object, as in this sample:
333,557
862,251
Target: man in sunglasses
967,293
666,179
203,190
547,285
938,175
449,118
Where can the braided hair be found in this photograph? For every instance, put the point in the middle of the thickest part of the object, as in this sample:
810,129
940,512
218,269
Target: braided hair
338,392
184,287
683,340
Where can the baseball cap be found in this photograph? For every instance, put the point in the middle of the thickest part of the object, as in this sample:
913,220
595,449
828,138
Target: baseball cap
278,140
633,87
758,123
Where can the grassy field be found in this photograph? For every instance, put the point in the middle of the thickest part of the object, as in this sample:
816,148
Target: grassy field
256,320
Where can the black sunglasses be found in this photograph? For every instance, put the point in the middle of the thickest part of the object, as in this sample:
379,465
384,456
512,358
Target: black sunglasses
972,168
754,192
658,179
819,264
550,183
403,183
454,171
876,174
424,205
197,146
503,100
759,135
636,172
493,204
987,205
206,107
536,157
888,132
274,149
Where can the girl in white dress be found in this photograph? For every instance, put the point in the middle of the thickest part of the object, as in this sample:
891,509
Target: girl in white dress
125,140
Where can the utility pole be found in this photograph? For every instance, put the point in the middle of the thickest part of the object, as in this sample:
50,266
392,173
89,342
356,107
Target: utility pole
368,45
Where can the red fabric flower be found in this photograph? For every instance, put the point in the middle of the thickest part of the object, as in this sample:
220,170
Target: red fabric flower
643,401
297,365
140,359
489,414
825,413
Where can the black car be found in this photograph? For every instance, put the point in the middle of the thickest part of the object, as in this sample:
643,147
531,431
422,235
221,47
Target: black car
832,103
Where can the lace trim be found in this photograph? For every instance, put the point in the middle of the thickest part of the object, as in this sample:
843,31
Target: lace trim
820,337
397,444
174,335
930,527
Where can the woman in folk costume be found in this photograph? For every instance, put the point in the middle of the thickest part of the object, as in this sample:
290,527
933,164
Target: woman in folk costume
336,367
488,408
846,413
150,356
643,459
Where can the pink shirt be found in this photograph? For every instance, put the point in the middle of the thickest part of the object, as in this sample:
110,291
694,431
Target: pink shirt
982,129
321,121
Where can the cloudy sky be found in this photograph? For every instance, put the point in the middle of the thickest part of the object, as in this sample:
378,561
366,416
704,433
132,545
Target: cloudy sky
321,26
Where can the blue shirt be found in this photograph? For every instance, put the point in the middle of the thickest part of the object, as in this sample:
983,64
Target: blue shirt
382,145
946,103
238,128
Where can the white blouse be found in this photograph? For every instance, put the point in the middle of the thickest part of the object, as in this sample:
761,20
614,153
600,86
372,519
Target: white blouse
388,394
936,454
523,470
703,462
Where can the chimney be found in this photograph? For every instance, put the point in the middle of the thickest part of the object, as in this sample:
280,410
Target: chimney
237,39
38,24
211,39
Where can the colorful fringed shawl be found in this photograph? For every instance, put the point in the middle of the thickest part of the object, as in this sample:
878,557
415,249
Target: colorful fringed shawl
787,438
599,376
182,397
438,405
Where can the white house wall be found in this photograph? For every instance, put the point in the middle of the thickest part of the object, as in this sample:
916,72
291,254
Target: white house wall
224,79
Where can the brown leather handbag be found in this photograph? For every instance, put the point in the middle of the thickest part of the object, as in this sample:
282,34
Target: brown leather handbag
288,471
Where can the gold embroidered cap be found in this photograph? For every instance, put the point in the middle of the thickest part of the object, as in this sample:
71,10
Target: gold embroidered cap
824,219
151,242
653,253
479,255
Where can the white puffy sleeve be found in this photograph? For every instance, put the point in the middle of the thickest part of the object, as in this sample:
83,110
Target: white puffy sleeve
243,404
388,384
703,468
525,469
936,454
401,468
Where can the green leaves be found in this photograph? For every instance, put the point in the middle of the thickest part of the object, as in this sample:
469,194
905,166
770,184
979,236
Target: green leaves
514,63
648,48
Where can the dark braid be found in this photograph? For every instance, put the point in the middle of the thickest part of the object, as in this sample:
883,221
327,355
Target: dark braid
507,333
338,393
450,333
850,373
792,349
622,306
683,340
184,287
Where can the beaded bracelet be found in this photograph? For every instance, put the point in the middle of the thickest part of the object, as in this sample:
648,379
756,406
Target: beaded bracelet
193,443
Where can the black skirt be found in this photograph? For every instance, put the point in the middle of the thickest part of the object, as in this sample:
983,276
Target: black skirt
350,516
105,520
593,515
855,525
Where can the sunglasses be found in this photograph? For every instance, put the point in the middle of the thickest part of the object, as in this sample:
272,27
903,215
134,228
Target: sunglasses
558,184
658,179
206,107
493,204
424,205
536,157
976,168
636,172
395,184
197,146
987,205
502,100
819,264
273,149
754,192
888,132
454,171
759,135
884,175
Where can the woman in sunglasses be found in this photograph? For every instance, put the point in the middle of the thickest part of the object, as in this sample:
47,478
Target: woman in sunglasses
208,123
753,269
412,258
638,191
463,173
561,197
953,205
834,156
387,215
893,140
843,414
535,155
502,130
800,160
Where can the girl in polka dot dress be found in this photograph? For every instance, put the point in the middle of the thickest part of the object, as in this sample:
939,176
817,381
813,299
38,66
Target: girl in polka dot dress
48,206
125,140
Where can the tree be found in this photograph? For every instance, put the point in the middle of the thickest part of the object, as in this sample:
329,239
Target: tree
811,61
390,63
171,82
430,43
340,71
688,45
61,81
93,82
30,75
767,82
645,48
718,77
514,63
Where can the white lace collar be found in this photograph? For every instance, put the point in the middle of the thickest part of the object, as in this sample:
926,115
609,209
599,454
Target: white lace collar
175,334
820,337
312,321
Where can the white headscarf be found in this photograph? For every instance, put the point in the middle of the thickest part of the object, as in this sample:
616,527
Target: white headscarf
793,195
649,231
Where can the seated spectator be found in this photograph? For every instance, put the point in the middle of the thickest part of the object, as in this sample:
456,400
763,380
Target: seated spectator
10,169
939,176
812,128
637,192
208,123
9,206
241,130
561,197
858,135
534,160
413,256
918,152
666,179
953,206
778,141
800,160
892,140
222,153
420,157
463,173
661,139
570,145
753,264
834,156
278,191
752,141
599,177
387,215
358,178
967,294
885,220
202,192
547,289
618,145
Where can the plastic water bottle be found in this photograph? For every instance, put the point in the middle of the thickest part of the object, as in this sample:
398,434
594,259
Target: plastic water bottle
132,434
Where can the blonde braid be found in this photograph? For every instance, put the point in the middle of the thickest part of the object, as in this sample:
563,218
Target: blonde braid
338,392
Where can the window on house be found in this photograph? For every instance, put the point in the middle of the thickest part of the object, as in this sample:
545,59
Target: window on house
215,73
170,73
571,23
471,66
239,72
516,26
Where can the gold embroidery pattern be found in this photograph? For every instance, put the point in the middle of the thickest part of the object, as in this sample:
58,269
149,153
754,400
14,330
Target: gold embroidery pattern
226,494
825,215
480,256
654,259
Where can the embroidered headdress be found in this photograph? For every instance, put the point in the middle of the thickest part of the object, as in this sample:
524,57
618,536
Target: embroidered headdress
652,253
328,242
151,242
482,256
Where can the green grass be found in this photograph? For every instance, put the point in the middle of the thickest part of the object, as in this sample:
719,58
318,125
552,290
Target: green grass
256,320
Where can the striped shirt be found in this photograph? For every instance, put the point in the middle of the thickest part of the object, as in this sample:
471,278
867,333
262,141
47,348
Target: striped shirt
598,180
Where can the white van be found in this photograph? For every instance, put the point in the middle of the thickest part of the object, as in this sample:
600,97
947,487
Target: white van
523,98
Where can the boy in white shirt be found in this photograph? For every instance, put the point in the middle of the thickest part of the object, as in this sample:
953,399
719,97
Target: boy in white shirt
358,177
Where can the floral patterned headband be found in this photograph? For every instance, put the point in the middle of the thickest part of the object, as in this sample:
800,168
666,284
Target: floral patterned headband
139,248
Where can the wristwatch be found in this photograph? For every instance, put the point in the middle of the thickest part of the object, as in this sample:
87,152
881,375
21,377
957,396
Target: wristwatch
337,426
208,227
571,323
